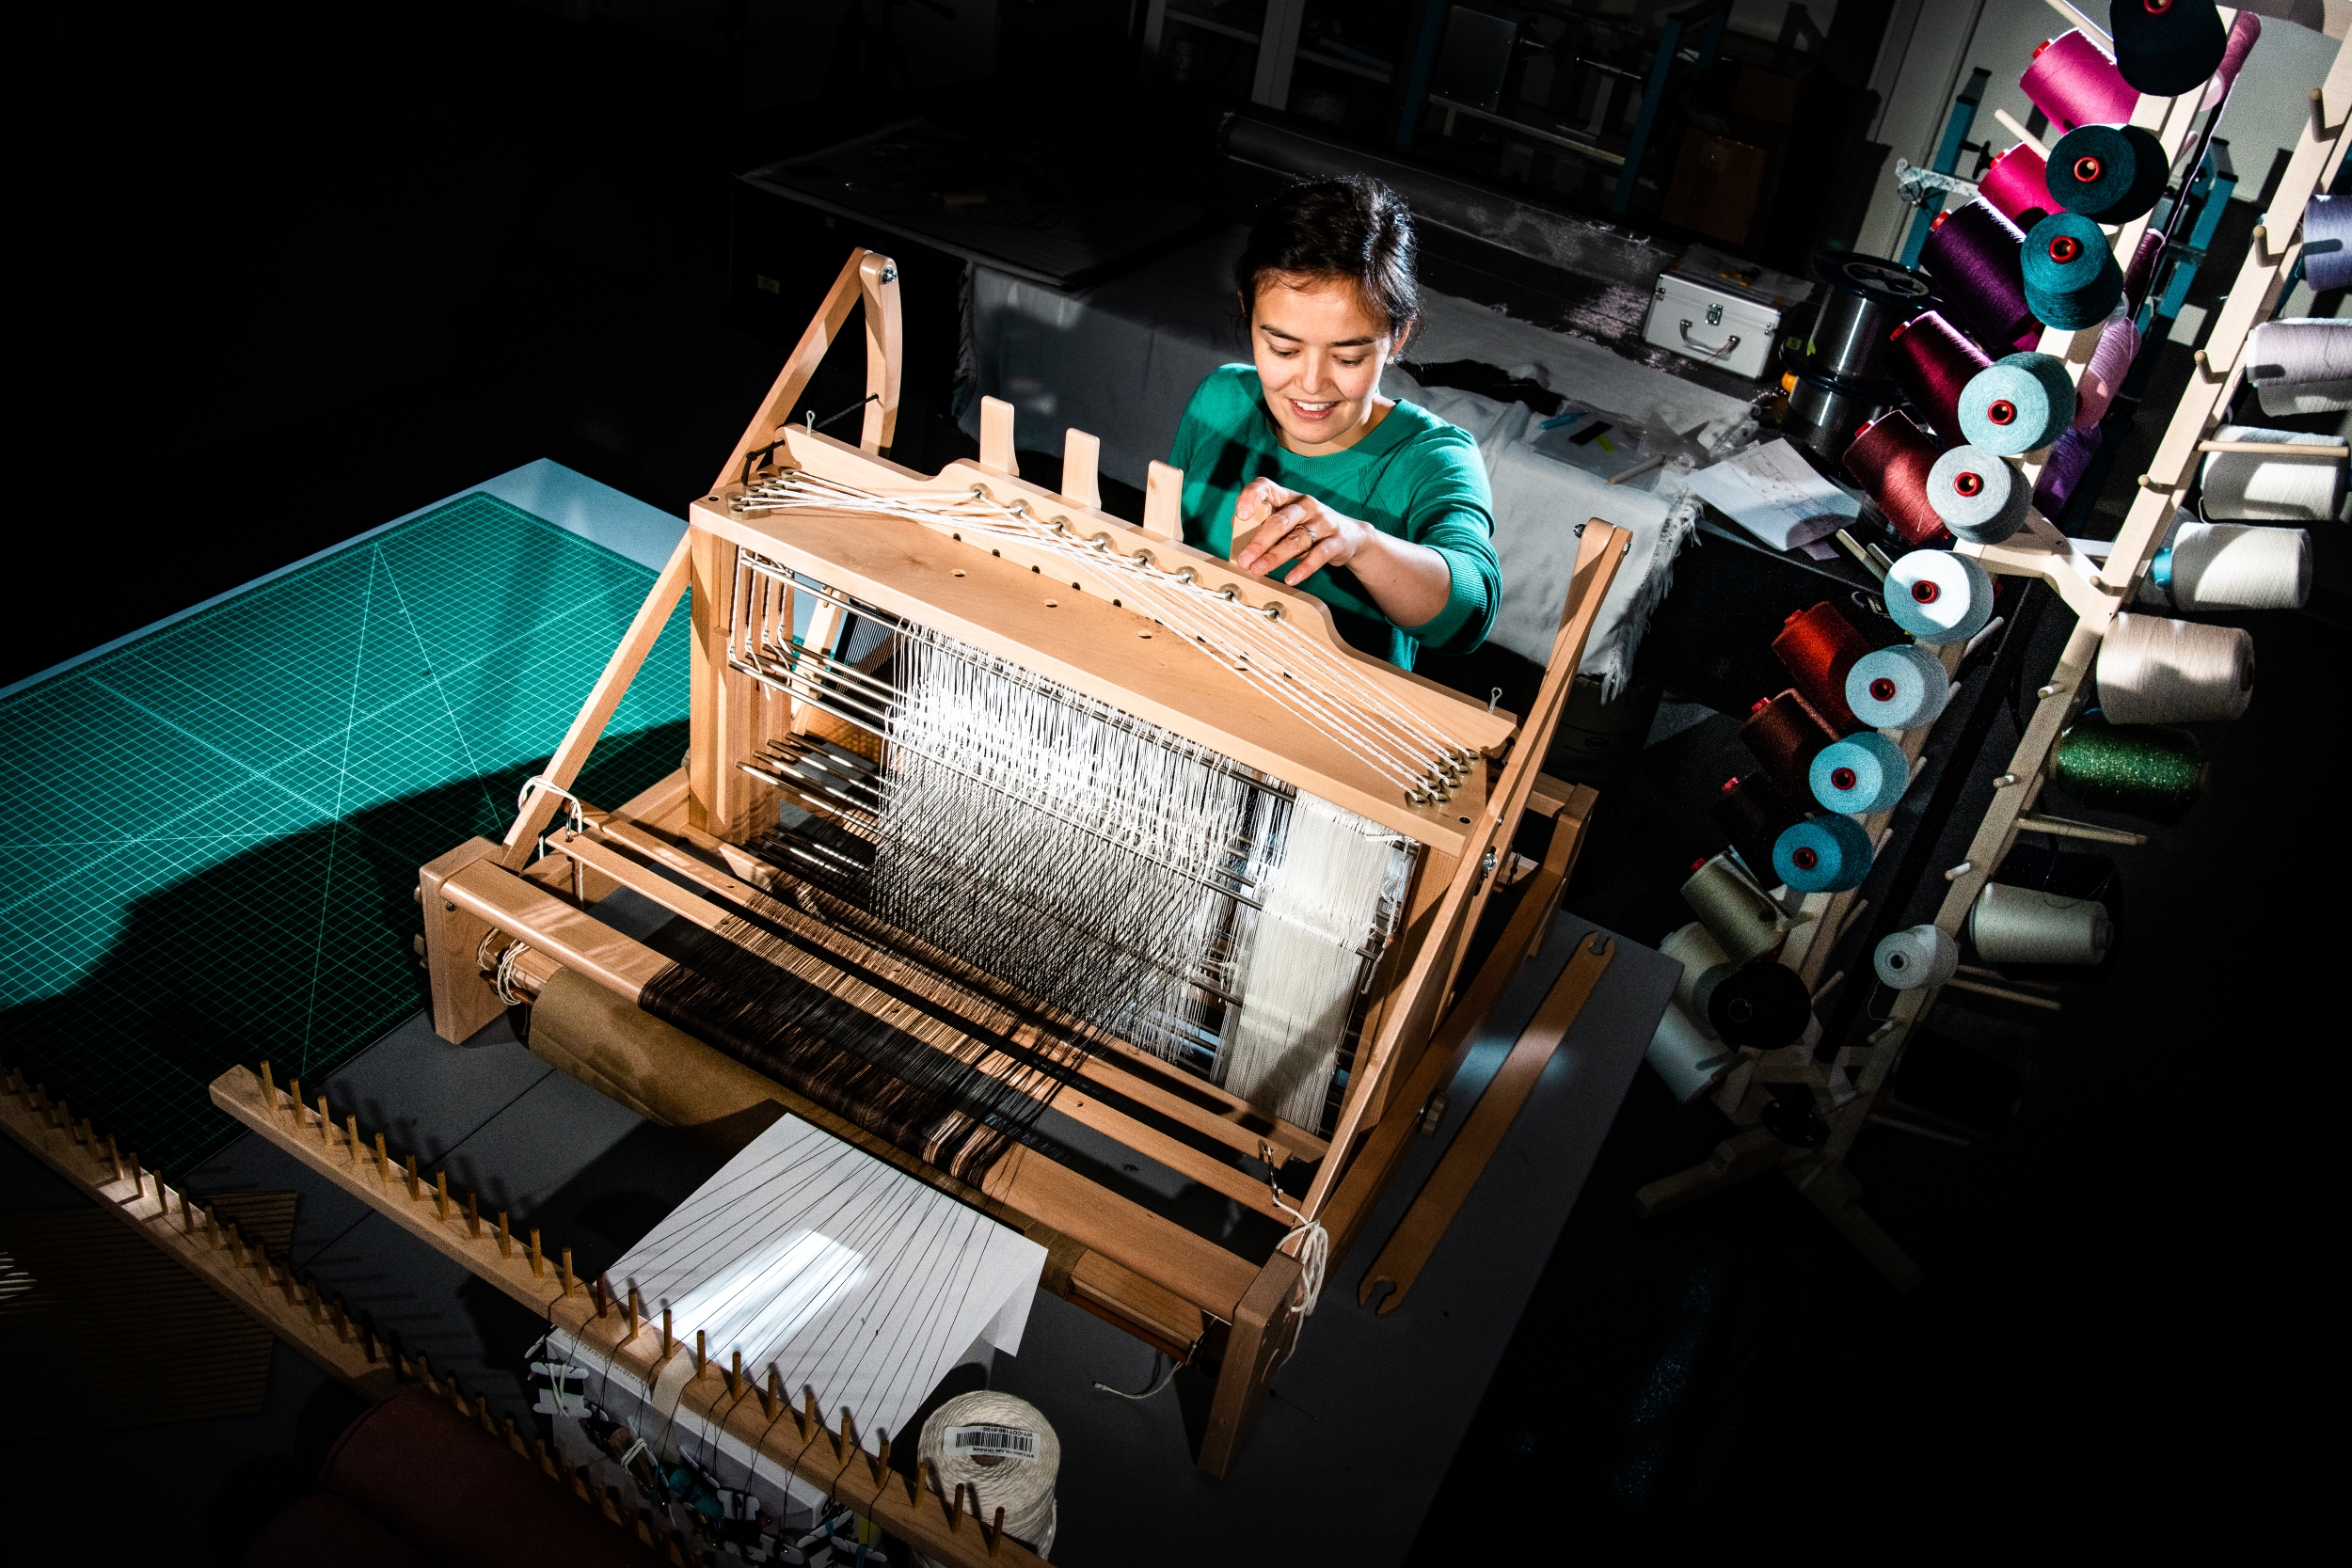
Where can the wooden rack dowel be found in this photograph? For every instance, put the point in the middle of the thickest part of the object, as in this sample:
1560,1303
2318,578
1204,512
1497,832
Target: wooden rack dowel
2278,449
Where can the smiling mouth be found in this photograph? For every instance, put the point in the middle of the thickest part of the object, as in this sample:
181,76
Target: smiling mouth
1312,410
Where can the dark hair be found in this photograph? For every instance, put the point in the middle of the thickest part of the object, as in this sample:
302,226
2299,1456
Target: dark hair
1348,227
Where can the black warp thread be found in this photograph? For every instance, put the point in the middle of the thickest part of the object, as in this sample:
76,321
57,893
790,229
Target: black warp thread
732,990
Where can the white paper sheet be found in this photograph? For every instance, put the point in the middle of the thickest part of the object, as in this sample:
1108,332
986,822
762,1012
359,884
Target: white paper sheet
1774,492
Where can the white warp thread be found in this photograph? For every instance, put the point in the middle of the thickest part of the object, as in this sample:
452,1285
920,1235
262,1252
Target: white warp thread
2153,670
2245,486
1322,903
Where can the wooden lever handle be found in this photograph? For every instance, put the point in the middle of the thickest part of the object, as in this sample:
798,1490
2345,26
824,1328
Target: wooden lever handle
1400,1262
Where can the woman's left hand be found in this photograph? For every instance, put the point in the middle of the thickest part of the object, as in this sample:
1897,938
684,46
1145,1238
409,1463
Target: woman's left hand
1291,526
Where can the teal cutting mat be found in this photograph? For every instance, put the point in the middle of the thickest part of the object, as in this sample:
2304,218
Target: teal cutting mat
210,835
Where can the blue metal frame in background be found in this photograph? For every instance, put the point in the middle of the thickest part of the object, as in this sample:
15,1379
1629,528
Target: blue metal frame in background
1947,160
1713,13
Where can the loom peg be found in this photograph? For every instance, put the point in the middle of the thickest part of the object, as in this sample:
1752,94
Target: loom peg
116,1155
506,1241
807,1420
600,1294
440,1193
473,1215
269,1091
702,1353
294,1101
996,1535
568,1270
668,1343
408,1170
138,1176
383,1160
536,1269
351,1132
326,1125
735,1376
770,1393
846,1438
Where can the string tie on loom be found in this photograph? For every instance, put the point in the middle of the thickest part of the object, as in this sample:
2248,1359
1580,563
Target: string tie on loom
1314,1255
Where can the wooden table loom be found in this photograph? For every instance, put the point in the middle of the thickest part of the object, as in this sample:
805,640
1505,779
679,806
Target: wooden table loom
520,915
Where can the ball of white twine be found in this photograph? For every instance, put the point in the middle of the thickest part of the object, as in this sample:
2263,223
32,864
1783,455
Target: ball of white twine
2153,670
1003,1449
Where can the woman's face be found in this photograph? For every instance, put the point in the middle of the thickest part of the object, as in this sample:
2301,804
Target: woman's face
1320,352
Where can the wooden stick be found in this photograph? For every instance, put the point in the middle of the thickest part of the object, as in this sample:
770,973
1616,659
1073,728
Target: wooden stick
383,1160
735,1376
567,1275
2026,137
2067,828
506,1241
808,1419
2278,449
702,1355
1164,502
408,1169
473,1215
116,1155
2007,995
269,1092
138,1178
771,1392
351,1126
326,1125
634,1309
669,1342
294,1101
535,1269
440,1193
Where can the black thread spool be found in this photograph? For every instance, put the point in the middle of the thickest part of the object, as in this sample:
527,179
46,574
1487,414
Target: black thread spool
2107,173
1752,812
1785,733
1762,1004
2166,47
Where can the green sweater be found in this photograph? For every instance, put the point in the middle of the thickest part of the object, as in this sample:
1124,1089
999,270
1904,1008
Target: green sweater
1415,476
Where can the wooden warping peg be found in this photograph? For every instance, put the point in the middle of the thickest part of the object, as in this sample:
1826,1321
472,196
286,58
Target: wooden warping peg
326,1125
440,1193
383,1160
269,1091
408,1169
351,1125
702,1355
806,1417
568,1270
636,1309
996,1536
878,1461
116,1155
515,1438
770,1393
735,1376
537,1269
506,1241
474,1216
669,1342
294,1101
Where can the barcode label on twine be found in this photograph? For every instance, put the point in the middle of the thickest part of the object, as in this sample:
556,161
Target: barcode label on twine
991,1442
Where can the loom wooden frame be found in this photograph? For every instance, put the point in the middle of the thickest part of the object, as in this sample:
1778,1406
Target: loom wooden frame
1133,1266
1848,1090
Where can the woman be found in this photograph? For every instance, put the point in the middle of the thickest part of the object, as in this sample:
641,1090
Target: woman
1297,467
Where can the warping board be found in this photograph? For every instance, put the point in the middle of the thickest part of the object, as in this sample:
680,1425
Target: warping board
210,835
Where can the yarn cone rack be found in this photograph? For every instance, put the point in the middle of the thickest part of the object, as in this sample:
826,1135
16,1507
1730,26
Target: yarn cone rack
1845,1085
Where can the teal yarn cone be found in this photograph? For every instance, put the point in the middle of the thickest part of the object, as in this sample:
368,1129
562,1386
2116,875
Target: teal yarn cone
2166,47
2071,280
1822,854
1980,498
1898,687
1861,774
2017,404
2107,173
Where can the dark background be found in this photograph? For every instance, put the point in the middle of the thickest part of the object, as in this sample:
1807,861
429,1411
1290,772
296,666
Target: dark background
285,272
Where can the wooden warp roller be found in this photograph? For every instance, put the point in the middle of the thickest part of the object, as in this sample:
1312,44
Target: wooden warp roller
934,1043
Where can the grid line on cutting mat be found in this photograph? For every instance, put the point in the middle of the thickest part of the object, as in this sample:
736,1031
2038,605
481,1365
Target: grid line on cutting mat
210,835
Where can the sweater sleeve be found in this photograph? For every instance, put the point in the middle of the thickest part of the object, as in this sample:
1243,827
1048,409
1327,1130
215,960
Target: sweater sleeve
1453,514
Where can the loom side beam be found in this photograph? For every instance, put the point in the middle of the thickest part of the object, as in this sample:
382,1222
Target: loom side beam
1600,552
562,769
849,287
